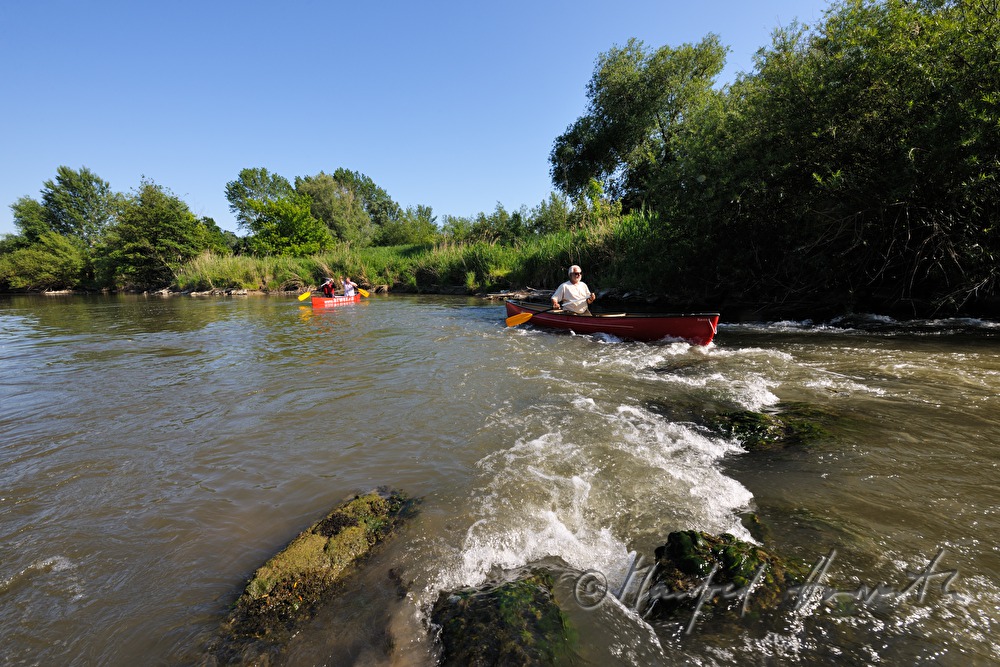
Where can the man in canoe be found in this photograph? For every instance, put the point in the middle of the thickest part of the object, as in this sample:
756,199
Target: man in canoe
327,288
349,286
573,295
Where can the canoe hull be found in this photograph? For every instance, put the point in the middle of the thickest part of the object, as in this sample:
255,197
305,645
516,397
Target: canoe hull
695,328
331,301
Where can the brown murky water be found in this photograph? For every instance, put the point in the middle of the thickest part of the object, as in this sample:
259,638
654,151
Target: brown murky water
153,452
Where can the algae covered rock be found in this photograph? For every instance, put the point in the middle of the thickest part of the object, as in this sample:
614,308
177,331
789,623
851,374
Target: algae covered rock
701,574
757,431
285,591
516,621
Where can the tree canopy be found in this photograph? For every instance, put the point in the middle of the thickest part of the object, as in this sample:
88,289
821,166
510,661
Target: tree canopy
155,234
858,161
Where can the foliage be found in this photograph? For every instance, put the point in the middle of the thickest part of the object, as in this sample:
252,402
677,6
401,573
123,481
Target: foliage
552,215
58,235
376,202
31,218
638,101
216,239
155,234
500,226
51,262
79,204
287,227
416,225
856,165
272,273
252,189
339,207
456,228
868,149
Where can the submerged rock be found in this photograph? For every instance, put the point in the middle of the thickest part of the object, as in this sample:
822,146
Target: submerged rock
286,590
701,574
515,621
758,431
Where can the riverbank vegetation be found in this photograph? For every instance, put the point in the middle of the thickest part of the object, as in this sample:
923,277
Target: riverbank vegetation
856,167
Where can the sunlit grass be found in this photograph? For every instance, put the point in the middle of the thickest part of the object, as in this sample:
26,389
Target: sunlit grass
626,252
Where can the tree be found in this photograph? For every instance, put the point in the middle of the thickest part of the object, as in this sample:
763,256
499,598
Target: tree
154,235
416,225
252,188
31,219
856,164
287,227
338,206
377,203
79,203
500,226
53,261
215,239
552,215
351,205
638,102
457,229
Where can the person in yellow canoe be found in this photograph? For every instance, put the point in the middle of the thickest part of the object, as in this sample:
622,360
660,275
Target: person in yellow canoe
573,295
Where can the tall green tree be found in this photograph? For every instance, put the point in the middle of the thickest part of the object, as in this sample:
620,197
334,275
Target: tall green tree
500,226
31,219
253,188
155,234
339,206
287,227
381,208
638,102
457,229
79,203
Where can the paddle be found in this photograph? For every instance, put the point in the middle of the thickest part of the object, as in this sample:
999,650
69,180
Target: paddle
521,318
362,292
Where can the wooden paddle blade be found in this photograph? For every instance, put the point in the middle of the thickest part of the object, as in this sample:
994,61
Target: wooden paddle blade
304,296
520,318
363,293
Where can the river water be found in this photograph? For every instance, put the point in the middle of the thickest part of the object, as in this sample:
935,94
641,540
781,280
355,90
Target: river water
154,452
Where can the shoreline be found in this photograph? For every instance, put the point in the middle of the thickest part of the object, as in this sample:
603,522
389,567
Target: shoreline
732,310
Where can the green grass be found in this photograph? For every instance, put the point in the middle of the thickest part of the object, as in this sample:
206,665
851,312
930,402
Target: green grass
625,252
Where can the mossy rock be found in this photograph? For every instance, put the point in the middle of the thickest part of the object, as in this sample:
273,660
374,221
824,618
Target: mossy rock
746,578
797,425
286,590
516,621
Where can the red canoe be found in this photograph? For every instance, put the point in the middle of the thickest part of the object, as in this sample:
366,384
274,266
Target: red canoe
330,301
696,328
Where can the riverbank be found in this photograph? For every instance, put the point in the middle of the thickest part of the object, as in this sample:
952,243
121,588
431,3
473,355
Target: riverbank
617,299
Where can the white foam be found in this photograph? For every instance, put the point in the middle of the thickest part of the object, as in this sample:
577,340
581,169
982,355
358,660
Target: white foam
41,566
564,493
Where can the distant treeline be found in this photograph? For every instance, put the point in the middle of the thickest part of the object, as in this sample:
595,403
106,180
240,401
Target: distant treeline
855,167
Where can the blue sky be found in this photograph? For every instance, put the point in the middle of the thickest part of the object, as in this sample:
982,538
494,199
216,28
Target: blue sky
453,105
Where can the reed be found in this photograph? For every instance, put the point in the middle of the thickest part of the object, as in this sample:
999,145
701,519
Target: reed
633,251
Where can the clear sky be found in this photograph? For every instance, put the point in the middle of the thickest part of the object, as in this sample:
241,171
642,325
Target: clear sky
453,105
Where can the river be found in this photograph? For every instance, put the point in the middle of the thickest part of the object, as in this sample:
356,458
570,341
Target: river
155,451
